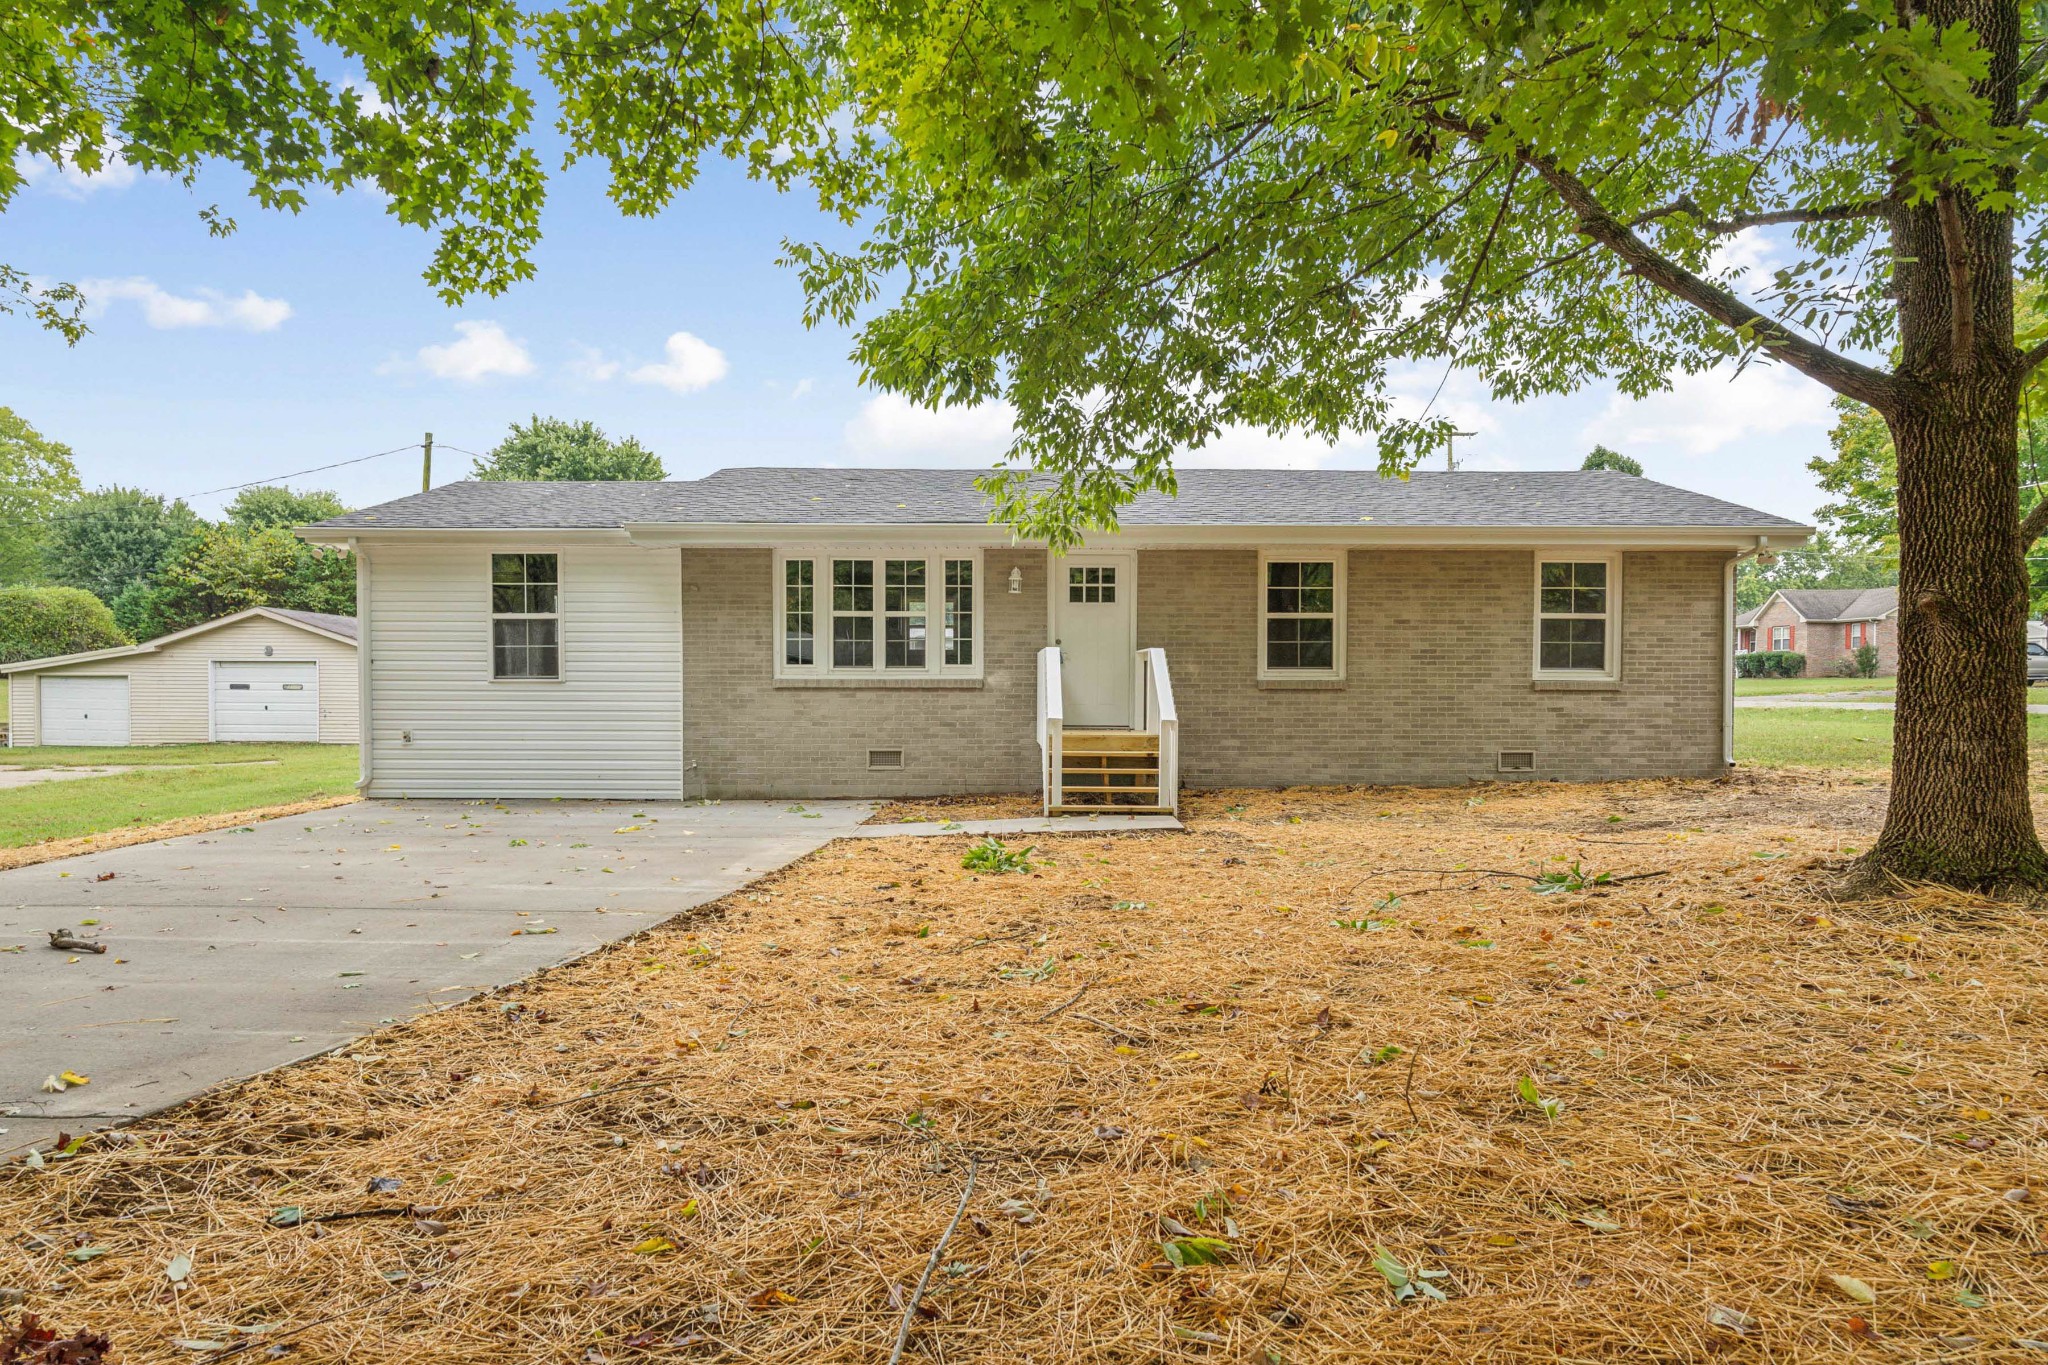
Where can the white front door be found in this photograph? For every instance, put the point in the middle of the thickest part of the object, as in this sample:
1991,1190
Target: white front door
1094,615
266,701
84,710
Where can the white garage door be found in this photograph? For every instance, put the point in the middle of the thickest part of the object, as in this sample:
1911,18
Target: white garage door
85,710
266,701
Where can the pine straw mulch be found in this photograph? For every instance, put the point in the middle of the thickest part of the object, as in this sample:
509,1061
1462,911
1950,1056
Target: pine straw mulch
909,810
739,1137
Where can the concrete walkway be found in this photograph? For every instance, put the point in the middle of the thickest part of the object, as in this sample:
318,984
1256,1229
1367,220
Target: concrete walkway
1835,701
237,951
10,778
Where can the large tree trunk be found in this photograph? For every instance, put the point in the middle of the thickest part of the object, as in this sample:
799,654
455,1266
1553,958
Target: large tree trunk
1959,809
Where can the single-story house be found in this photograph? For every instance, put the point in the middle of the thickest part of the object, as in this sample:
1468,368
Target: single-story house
264,674
1827,625
796,633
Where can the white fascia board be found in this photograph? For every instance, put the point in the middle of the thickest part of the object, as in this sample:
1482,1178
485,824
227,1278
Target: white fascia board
765,534
415,535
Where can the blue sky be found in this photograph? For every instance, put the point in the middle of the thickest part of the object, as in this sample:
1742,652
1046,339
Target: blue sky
308,339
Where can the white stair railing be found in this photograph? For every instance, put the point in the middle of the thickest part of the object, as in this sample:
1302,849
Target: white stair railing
1156,715
1051,724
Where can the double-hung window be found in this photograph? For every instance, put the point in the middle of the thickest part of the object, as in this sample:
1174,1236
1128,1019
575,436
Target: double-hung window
1577,600
881,614
526,621
1781,637
1301,615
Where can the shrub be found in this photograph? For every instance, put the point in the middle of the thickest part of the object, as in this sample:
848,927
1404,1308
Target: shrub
1866,661
1843,668
1770,663
36,623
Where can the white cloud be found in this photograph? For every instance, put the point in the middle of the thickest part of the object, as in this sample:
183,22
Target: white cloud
889,427
801,388
593,366
1747,261
693,363
68,181
481,350
246,312
1703,413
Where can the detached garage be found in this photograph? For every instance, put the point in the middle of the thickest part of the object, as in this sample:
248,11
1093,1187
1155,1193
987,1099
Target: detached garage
267,675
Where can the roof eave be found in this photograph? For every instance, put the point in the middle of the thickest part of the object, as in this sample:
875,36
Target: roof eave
152,646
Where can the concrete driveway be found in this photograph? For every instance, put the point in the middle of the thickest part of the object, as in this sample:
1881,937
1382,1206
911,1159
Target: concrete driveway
233,952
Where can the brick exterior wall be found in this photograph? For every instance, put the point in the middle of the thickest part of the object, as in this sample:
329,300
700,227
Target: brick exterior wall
1822,641
1437,682
746,735
1437,678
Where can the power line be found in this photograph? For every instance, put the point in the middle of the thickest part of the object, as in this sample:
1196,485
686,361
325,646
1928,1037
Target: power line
297,473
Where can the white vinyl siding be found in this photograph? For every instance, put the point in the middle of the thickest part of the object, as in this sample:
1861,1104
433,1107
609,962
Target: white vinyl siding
610,726
169,691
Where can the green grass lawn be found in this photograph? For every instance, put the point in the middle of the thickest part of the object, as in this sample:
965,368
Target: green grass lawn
1771,687
1812,737
171,783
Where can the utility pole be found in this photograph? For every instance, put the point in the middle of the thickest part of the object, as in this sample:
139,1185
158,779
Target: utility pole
427,463
1450,448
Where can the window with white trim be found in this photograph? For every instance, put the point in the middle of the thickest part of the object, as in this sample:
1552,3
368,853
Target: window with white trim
1781,637
885,613
1575,617
1301,615
526,622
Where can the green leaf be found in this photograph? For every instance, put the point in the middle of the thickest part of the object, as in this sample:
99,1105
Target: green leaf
1193,1251
1853,1288
290,1216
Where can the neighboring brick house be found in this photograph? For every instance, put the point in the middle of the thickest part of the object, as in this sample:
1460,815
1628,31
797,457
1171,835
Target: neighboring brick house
1827,625
799,633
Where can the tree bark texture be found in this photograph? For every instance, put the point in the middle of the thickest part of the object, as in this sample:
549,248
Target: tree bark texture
1959,810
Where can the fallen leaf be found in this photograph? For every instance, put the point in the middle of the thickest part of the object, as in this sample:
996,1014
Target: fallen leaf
654,1246
178,1269
770,1298
1853,1288
1734,1319
73,1078
1941,1270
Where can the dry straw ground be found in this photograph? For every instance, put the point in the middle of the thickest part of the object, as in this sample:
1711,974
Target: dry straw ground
741,1136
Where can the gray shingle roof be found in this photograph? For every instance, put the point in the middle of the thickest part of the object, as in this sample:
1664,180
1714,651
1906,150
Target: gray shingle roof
320,620
1842,604
1208,497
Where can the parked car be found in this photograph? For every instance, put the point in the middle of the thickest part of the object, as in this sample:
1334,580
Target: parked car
2037,662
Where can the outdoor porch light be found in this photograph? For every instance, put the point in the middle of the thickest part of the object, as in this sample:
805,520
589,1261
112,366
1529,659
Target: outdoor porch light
1016,580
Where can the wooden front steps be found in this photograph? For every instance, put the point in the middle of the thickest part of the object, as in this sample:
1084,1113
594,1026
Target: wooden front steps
1109,770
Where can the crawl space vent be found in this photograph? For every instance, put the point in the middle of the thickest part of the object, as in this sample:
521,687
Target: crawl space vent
885,758
1518,760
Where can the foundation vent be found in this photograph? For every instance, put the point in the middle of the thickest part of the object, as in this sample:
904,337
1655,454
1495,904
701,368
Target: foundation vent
883,759
1517,761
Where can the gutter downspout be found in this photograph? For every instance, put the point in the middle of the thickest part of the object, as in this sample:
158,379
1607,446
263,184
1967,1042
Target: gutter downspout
1728,648
365,754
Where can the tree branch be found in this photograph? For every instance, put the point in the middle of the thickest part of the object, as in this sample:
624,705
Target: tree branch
1816,362
2033,524
1721,227
1962,290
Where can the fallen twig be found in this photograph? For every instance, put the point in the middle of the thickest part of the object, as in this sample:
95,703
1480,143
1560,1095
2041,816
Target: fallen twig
1118,1030
65,941
610,1090
1064,1004
1408,1087
931,1264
